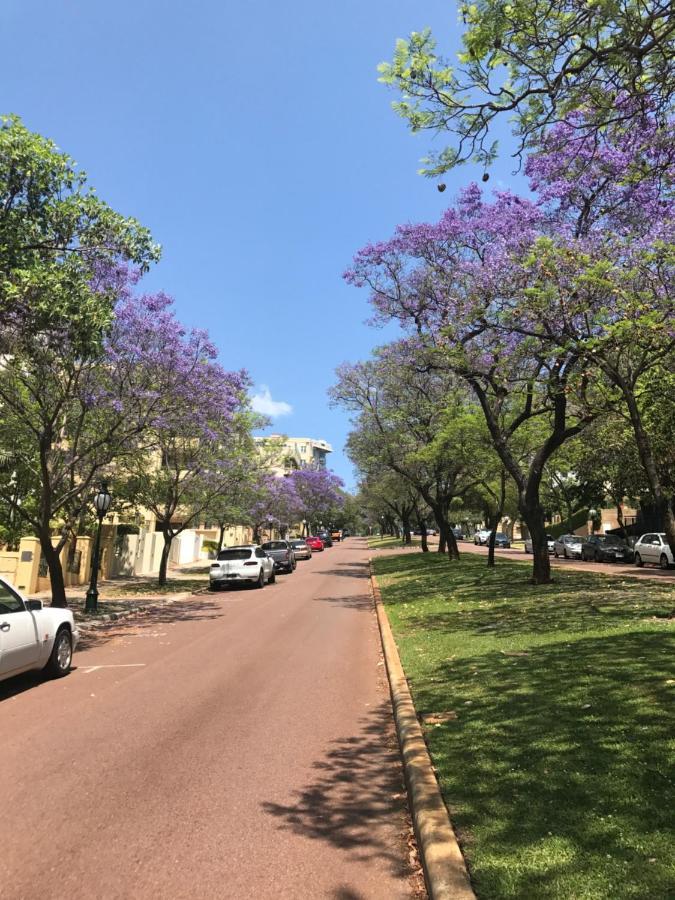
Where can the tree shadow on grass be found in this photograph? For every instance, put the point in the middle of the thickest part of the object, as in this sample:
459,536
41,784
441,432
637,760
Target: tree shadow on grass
558,768
502,602
357,792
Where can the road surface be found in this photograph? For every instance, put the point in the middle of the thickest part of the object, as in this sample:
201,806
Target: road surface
235,745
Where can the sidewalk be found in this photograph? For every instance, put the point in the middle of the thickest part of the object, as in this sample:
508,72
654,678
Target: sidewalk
129,594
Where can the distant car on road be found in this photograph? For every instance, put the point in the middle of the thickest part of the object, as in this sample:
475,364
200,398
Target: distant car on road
314,543
459,534
550,540
482,536
33,636
653,548
301,549
567,545
501,540
336,535
248,564
326,538
606,548
282,555
346,534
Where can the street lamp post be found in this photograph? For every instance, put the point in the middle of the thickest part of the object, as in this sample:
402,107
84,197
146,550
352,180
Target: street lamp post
102,502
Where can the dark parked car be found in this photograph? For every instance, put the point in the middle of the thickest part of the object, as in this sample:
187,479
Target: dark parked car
282,555
606,548
325,537
502,540
459,534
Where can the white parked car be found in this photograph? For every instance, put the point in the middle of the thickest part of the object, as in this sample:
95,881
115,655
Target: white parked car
248,564
653,548
482,537
33,636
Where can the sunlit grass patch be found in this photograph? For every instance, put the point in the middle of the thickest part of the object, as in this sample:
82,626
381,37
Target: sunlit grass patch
557,764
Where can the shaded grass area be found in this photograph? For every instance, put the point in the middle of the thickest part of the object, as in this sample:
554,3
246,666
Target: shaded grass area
152,589
556,758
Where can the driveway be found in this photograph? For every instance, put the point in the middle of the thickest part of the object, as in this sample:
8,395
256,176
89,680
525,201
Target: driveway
232,745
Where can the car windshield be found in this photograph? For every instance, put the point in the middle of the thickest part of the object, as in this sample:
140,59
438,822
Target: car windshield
274,545
299,543
501,536
234,553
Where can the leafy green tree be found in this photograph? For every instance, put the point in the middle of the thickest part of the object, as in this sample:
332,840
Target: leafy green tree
533,62
58,240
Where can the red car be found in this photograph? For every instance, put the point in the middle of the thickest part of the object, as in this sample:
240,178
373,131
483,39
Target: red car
314,543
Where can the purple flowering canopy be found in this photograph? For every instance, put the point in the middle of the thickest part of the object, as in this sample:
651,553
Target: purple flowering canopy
319,492
538,302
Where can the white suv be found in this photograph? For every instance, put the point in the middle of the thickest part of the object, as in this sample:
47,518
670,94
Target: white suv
249,564
33,636
653,548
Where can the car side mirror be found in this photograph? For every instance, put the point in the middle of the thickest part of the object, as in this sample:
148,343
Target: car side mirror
34,605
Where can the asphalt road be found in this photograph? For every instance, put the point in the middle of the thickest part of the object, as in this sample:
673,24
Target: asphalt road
235,745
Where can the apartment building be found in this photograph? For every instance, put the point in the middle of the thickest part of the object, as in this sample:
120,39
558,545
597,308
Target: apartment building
289,453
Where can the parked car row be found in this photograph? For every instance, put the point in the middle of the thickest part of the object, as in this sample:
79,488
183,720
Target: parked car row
255,565
649,548
482,538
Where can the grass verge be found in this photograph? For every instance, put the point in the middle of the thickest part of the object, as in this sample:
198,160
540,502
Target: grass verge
548,714
387,542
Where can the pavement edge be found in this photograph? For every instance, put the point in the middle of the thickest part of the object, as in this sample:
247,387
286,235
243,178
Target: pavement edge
444,866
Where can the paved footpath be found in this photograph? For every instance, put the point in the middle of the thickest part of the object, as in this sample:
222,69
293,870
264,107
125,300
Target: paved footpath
232,745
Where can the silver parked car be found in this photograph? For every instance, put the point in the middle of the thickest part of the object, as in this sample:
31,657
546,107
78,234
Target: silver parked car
653,548
550,541
301,548
236,565
567,545
282,555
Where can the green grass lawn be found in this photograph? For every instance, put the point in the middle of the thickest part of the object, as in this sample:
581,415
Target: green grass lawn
553,738
386,542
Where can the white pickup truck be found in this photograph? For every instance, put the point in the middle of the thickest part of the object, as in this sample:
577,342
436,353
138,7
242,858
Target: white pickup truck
33,636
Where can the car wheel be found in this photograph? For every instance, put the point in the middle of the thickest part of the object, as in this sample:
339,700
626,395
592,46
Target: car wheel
273,577
61,656
261,579
597,557
663,562
555,553
638,560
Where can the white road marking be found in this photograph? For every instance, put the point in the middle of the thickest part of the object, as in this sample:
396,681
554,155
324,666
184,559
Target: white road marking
89,669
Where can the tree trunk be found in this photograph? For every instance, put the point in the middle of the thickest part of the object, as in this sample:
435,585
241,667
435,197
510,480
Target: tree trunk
447,538
669,524
164,561
494,522
423,532
407,536
533,514
221,537
56,579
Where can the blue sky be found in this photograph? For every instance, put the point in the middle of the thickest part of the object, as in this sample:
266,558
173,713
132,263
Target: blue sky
255,142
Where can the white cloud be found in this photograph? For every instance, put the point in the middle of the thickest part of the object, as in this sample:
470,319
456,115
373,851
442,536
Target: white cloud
262,403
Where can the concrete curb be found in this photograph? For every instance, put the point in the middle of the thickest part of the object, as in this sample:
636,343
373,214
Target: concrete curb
444,867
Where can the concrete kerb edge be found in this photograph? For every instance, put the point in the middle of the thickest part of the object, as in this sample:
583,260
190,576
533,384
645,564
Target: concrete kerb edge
444,866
